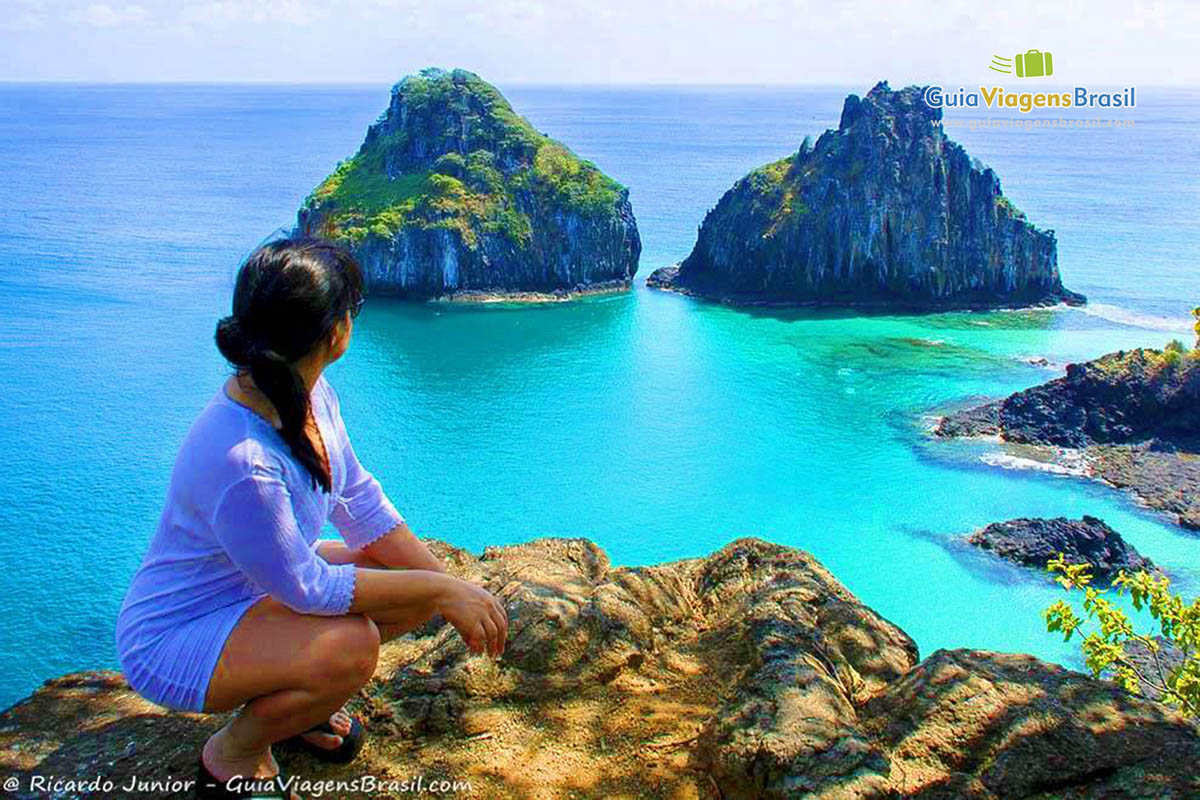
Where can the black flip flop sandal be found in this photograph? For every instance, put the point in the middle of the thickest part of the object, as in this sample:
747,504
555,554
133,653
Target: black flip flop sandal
344,753
210,787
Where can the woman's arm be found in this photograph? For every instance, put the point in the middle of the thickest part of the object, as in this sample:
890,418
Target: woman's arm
368,522
255,525
474,612
401,549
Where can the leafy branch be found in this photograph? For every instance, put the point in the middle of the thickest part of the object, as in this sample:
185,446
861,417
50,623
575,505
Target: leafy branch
1105,630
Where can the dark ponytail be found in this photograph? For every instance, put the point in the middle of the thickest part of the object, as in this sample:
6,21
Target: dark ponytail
288,296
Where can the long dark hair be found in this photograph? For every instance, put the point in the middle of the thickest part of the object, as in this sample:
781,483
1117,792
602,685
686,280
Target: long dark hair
288,296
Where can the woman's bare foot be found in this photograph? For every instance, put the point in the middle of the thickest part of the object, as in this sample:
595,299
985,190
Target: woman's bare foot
340,722
222,759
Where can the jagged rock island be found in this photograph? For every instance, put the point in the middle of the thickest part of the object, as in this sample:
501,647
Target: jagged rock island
1132,417
454,194
885,211
751,673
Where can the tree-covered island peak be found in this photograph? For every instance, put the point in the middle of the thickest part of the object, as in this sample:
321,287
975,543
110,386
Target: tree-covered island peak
453,191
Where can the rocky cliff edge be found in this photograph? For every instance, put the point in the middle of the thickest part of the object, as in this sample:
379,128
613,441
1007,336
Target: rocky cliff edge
750,673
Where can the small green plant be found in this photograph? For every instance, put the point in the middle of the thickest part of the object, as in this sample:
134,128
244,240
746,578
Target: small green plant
1196,327
1173,353
1007,207
1105,630
451,164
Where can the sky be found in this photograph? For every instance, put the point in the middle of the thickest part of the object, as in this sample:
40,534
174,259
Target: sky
824,42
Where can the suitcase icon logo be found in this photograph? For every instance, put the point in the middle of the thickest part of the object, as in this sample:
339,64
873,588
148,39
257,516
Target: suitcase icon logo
1030,64
1034,64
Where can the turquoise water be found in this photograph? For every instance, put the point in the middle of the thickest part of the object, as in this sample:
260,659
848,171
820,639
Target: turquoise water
658,426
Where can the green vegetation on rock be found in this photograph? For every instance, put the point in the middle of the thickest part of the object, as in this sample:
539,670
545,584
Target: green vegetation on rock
459,158
454,193
1149,361
1006,206
578,184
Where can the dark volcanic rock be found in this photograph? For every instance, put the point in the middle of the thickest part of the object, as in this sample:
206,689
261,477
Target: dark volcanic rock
1135,415
886,211
751,673
1034,542
452,193
1165,479
1116,399
980,421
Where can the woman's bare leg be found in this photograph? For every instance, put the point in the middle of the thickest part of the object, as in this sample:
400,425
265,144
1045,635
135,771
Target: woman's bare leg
292,671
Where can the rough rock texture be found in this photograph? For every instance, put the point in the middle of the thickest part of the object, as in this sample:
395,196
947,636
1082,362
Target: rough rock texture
1163,478
751,673
1119,398
452,193
1034,542
886,210
1135,416
973,724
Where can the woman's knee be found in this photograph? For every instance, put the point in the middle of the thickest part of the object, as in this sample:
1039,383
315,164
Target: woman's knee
347,652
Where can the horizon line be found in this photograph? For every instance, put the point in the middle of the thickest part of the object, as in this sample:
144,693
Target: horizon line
580,84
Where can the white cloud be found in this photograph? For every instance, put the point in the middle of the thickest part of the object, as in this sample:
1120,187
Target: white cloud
294,12
103,15
584,41
23,21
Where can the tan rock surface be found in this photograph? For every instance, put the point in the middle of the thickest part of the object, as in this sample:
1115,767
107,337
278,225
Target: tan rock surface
749,673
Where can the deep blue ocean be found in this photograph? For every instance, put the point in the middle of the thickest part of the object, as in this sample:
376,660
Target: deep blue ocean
659,426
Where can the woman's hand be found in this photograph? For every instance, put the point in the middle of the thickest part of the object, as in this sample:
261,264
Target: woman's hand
477,616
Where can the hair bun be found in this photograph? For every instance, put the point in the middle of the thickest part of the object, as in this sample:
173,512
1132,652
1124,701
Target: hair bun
233,342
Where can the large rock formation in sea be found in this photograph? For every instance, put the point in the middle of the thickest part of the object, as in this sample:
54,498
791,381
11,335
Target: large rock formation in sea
452,193
751,673
884,211
1134,416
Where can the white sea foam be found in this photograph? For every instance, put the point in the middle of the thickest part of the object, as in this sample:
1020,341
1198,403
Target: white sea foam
1009,461
1124,316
